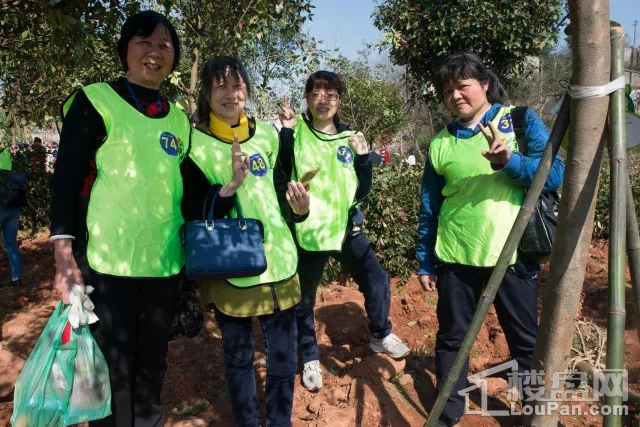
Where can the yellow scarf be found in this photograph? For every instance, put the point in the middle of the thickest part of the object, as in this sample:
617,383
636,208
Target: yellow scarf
224,132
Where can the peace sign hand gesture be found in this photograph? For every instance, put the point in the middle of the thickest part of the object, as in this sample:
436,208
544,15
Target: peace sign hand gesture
239,167
358,143
287,114
499,152
239,162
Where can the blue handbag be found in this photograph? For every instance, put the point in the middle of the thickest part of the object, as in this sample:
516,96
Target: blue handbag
223,248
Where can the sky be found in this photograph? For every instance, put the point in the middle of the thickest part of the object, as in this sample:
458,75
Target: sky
346,24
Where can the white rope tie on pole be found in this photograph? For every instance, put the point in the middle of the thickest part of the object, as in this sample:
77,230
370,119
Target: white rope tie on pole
583,92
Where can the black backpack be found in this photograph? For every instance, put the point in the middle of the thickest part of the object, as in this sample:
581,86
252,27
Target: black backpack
538,237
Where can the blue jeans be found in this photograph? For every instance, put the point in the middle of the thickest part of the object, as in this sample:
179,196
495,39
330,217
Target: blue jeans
9,221
280,336
361,262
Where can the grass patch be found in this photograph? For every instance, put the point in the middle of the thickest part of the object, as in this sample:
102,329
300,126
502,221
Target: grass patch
431,300
397,380
195,408
10,345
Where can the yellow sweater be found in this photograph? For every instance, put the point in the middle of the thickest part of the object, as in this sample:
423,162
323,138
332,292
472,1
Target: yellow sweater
258,300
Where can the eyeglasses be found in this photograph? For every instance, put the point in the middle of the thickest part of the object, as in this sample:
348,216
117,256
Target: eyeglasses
331,96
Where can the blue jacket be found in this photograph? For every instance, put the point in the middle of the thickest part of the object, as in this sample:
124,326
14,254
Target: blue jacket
518,167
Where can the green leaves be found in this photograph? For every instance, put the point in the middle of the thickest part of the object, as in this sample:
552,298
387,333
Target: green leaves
174,78
419,34
49,48
373,103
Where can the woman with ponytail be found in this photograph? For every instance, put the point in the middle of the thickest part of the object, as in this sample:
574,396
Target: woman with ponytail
473,186
317,139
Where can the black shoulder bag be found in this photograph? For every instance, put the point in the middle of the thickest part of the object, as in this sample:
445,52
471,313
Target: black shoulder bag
538,237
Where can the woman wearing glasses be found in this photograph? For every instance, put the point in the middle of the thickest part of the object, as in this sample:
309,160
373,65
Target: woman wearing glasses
317,139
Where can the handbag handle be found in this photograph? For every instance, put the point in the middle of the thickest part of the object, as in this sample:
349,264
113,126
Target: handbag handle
209,209
205,205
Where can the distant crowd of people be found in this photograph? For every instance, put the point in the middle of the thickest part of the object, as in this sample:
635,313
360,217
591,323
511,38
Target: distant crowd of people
40,156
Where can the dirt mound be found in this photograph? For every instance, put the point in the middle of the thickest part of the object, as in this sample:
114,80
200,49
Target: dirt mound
360,387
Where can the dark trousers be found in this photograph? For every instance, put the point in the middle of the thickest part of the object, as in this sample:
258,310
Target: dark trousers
279,331
133,333
459,291
360,261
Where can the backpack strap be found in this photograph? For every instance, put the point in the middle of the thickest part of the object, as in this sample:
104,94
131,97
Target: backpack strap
520,127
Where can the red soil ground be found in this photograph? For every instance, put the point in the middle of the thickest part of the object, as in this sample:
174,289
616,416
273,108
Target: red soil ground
361,388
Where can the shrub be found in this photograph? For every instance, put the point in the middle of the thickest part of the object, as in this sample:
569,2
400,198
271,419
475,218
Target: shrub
601,221
35,217
391,221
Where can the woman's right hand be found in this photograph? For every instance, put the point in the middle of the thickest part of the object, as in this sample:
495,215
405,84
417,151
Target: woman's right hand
287,115
428,282
67,271
240,168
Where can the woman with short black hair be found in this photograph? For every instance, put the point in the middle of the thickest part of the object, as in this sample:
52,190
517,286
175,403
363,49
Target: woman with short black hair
335,227
473,187
115,213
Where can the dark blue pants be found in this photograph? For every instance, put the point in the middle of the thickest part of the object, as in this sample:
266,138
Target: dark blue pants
360,261
280,336
459,291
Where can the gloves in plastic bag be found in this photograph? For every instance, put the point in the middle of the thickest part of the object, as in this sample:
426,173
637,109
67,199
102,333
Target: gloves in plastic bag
66,379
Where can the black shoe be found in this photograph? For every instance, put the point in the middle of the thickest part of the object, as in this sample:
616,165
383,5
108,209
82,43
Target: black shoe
12,284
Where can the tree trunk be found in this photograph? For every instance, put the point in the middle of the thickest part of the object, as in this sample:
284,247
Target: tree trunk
591,67
423,159
14,132
195,57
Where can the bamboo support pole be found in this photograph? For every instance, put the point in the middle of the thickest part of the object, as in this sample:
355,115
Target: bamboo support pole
633,251
617,229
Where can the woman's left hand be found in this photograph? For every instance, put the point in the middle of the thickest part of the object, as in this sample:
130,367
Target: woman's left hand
358,143
298,197
499,152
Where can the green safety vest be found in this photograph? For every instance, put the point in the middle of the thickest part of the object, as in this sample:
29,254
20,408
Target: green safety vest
333,190
134,216
256,196
5,160
480,205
